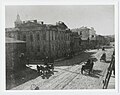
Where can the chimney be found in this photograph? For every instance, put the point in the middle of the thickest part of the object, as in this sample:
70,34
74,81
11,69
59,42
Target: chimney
35,21
42,22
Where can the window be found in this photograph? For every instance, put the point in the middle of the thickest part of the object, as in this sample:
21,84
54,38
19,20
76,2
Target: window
44,48
18,37
44,36
38,37
80,32
61,36
68,37
55,36
24,37
38,48
52,36
31,38
31,48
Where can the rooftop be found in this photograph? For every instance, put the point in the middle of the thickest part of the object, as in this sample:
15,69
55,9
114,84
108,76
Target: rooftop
12,40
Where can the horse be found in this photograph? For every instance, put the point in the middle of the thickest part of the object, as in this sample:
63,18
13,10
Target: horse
41,69
49,68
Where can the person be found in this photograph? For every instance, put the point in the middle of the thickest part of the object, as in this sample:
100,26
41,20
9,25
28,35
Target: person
22,60
91,66
38,69
46,61
113,59
88,62
103,57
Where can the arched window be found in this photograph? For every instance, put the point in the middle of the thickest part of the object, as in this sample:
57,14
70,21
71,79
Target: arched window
31,37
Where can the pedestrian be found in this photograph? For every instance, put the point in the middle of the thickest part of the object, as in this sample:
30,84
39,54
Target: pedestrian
27,60
38,69
113,60
88,62
46,61
22,60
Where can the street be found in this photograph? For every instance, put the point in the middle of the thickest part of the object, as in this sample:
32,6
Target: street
67,73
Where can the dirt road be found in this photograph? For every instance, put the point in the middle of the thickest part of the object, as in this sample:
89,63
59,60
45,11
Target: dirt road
67,74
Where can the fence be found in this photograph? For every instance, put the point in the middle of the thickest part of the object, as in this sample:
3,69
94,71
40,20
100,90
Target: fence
109,72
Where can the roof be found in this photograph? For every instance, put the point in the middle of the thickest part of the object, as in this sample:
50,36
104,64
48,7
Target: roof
12,40
11,29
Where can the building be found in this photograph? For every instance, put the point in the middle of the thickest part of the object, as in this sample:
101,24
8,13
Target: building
14,63
41,39
14,48
75,44
102,40
88,37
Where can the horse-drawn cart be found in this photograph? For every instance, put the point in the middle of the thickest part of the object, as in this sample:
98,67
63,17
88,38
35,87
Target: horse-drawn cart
47,67
88,66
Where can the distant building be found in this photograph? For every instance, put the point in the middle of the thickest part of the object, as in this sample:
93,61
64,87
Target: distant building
100,40
87,35
92,34
41,39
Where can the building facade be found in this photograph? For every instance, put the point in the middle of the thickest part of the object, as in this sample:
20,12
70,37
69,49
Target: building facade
88,37
41,39
14,63
75,43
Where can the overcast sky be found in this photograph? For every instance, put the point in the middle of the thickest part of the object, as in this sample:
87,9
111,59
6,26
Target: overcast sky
101,17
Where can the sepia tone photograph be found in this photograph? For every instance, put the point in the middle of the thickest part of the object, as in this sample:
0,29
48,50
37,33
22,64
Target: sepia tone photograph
59,47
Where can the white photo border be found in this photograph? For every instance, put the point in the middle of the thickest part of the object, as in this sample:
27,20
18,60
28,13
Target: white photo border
60,92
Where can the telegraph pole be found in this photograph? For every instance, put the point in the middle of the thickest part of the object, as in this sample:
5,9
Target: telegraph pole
49,46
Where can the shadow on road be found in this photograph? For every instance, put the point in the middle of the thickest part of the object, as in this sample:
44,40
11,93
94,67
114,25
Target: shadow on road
76,59
108,61
68,71
21,77
95,74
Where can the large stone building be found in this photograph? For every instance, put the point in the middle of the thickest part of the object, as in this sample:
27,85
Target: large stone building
41,39
14,48
14,61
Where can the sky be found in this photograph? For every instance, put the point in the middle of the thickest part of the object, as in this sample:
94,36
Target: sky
101,17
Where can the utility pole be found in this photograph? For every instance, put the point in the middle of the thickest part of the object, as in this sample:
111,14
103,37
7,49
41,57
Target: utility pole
49,46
